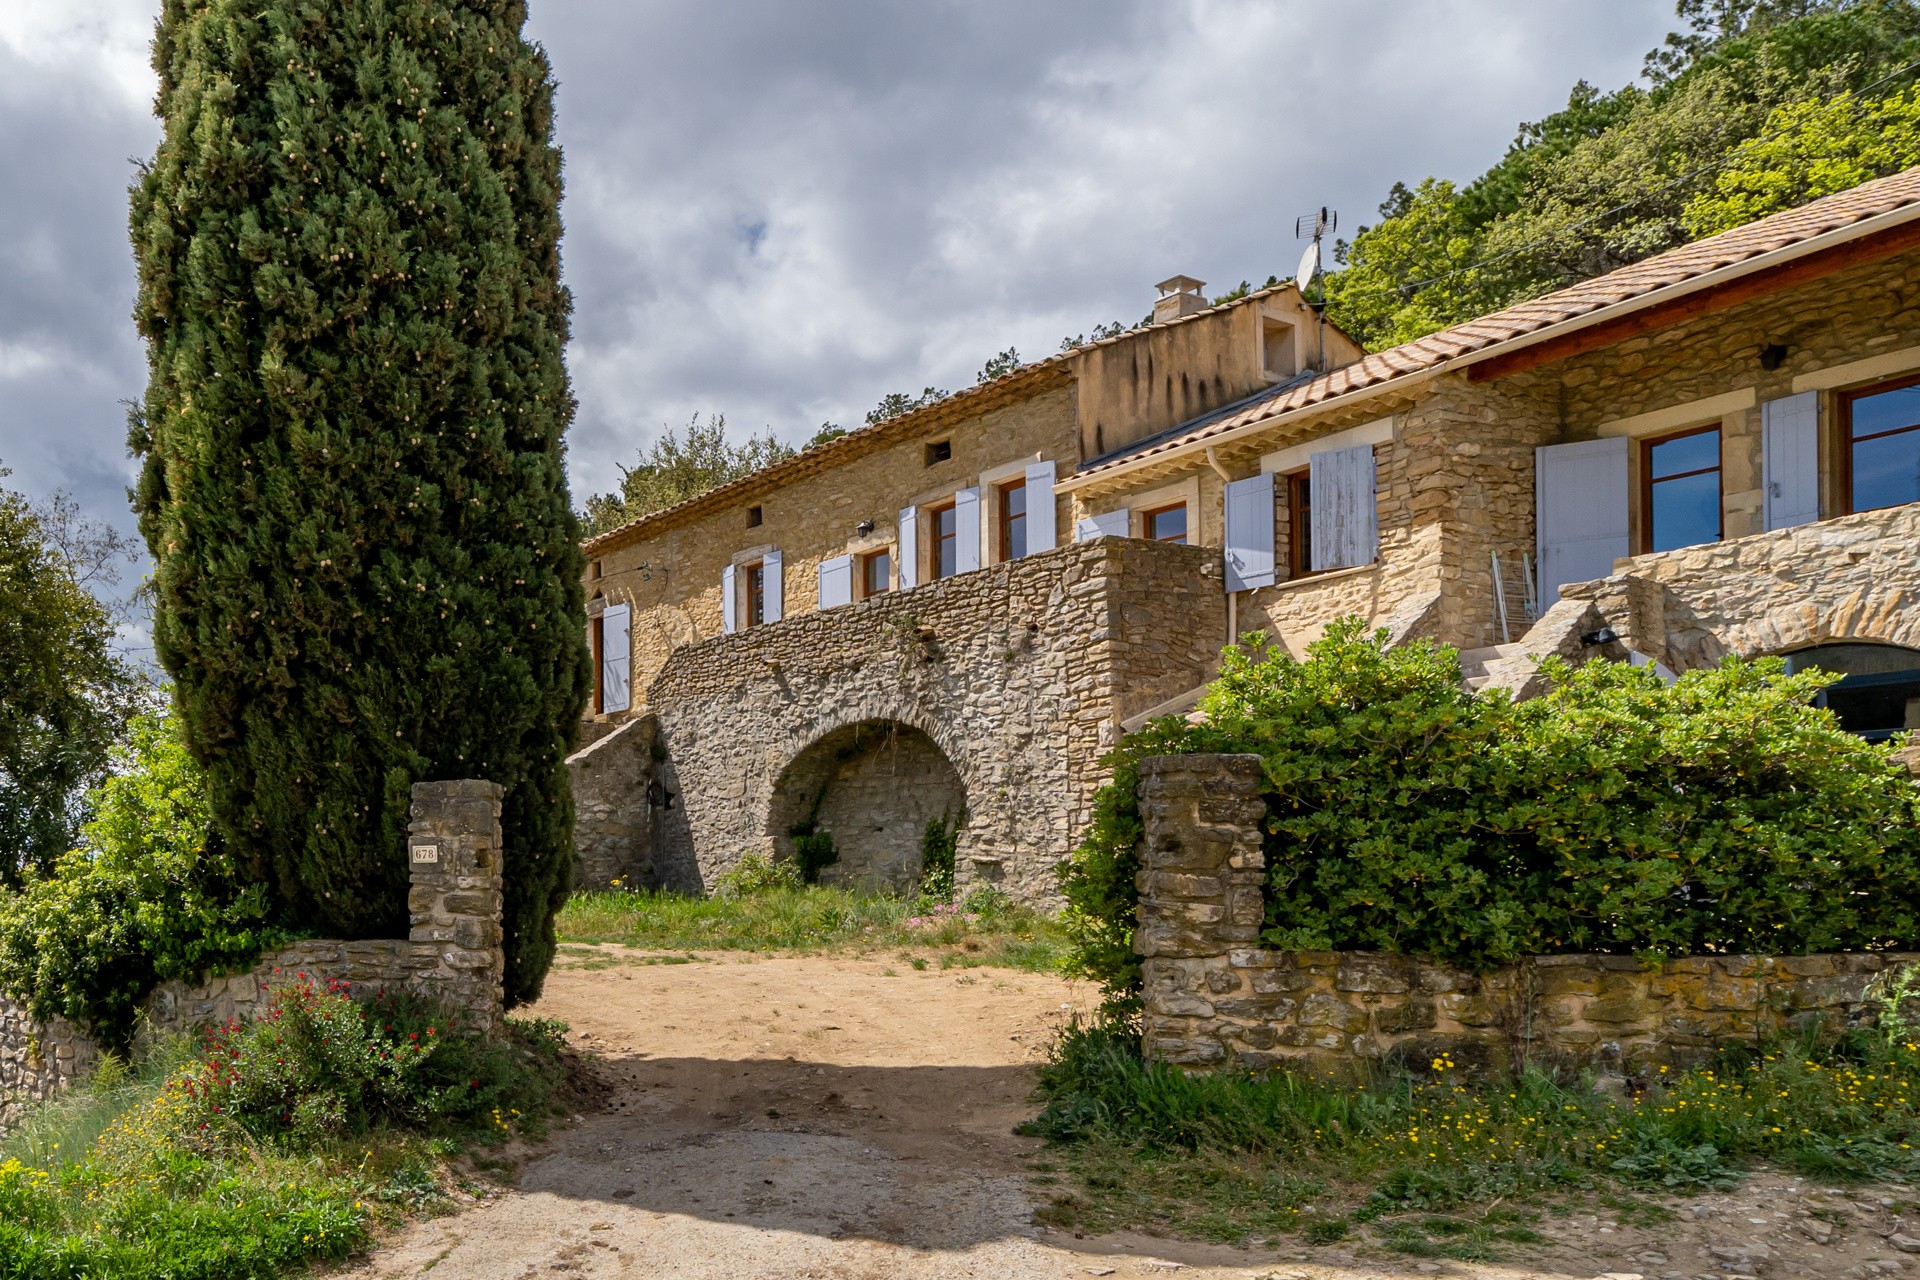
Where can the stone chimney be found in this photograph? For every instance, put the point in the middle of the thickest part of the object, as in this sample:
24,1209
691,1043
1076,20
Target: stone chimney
1179,296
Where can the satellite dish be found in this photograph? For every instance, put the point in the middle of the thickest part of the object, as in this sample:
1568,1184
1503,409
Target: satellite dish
1309,268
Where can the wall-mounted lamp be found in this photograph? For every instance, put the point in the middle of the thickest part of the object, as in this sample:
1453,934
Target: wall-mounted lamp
1605,635
1772,356
864,528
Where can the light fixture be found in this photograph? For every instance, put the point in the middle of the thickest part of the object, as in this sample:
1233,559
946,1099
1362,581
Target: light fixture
1605,635
1772,356
864,528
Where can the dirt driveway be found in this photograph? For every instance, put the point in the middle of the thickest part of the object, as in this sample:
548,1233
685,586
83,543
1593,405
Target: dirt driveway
842,1119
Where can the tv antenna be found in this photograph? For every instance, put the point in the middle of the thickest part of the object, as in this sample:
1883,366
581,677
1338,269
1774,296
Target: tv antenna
1315,225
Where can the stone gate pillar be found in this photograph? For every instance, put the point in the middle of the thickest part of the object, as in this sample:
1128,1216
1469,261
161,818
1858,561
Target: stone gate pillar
454,858
1201,867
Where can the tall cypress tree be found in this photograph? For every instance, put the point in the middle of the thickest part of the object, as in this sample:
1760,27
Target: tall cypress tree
368,569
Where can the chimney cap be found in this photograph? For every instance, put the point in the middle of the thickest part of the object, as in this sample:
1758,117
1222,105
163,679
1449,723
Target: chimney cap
1180,284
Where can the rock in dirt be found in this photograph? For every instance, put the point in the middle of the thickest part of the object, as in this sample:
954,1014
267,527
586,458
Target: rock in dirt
1816,1230
1904,1243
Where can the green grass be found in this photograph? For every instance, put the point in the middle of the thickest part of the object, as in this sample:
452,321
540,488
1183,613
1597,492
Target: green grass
1430,1164
134,1175
986,929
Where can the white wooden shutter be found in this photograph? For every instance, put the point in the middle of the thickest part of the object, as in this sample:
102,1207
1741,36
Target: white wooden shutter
770,585
1580,511
1790,460
729,603
909,547
1041,531
1249,552
836,582
1108,524
1346,520
966,531
616,657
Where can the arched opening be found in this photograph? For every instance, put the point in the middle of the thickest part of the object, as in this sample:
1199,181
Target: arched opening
873,787
1879,691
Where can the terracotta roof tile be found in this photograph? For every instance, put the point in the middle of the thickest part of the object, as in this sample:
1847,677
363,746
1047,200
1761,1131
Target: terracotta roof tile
1674,267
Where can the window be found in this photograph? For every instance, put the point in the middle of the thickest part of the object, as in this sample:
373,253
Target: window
1879,693
876,573
597,641
946,540
1680,490
754,517
1882,437
939,451
596,568
1299,524
1165,524
1013,520
756,594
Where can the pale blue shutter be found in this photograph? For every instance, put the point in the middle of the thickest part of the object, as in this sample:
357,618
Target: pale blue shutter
1249,532
1108,524
966,530
1790,460
909,556
616,658
1041,533
1580,511
729,617
836,582
770,581
1346,519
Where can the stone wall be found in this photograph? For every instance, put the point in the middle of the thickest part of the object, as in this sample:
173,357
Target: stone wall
453,952
613,807
1017,677
1215,997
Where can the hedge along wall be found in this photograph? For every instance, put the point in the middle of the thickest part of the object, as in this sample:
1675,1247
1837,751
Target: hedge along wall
452,952
1212,996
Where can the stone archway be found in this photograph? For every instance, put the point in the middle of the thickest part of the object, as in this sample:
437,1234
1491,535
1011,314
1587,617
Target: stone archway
874,786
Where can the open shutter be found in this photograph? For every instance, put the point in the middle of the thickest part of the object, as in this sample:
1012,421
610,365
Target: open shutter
1346,520
1580,511
1041,532
909,556
770,585
836,582
729,602
1108,524
616,657
1790,460
1249,553
966,530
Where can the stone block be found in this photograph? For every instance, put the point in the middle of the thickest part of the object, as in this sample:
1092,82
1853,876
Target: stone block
1375,973
1412,1015
1323,1010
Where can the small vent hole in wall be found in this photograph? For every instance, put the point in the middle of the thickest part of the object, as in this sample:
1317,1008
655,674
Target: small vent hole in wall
754,517
939,451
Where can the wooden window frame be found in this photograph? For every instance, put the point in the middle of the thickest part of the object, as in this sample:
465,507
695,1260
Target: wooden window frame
1147,519
597,642
1644,542
865,560
753,594
933,513
1843,420
1003,517
1300,524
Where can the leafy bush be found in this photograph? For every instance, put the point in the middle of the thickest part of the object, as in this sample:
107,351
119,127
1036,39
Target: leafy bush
755,874
1612,814
938,844
139,902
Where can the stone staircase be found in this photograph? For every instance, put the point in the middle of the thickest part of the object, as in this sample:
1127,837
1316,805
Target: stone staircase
1474,662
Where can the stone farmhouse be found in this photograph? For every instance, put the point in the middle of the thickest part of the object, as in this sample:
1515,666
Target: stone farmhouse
950,616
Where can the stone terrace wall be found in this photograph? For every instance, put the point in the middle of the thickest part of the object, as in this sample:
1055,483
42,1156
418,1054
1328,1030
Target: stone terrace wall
613,816
1019,673
453,952
1214,997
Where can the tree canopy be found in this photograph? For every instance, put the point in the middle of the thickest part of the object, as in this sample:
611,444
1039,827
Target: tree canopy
680,466
368,572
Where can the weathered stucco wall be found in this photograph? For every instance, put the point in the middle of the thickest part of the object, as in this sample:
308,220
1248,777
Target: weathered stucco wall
452,952
1018,676
1214,997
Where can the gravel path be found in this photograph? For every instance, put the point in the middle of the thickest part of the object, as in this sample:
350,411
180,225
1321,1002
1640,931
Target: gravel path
840,1119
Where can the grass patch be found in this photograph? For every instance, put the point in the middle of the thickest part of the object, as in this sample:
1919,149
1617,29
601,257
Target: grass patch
1431,1164
983,929
274,1144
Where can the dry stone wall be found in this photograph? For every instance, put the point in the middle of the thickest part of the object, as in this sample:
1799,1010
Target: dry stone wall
1017,676
615,781
453,952
1215,998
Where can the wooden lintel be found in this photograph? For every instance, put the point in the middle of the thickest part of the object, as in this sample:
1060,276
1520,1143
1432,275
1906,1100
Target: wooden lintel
1719,297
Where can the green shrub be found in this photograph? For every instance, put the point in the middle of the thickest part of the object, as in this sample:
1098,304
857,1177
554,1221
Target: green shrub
1612,814
755,874
938,844
813,852
139,902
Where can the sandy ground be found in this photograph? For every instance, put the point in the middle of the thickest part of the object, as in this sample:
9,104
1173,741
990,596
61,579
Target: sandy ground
841,1119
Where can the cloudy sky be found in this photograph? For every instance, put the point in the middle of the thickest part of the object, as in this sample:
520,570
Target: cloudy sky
781,211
